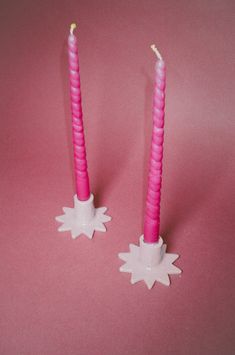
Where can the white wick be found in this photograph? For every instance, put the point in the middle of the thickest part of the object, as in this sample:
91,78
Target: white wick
72,28
156,51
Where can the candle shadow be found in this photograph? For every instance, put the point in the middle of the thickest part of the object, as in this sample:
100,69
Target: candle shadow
112,122
188,181
112,146
64,74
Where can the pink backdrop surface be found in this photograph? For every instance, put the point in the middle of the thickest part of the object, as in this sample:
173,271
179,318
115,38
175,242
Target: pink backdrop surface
63,296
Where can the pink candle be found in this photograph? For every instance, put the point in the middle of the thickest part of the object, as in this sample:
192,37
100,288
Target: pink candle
152,212
80,162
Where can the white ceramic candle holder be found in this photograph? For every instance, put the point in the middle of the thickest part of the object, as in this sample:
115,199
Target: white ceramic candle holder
83,218
149,262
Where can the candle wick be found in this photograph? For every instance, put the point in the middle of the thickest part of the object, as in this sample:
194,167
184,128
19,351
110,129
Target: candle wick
72,27
156,51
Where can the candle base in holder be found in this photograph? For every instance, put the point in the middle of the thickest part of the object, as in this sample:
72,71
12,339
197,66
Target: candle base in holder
149,262
83,218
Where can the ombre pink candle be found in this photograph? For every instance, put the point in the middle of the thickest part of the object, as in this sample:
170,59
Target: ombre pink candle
152,211
79,149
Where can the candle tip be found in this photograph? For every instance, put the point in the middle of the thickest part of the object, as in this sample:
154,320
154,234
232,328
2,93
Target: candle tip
72,27
156,51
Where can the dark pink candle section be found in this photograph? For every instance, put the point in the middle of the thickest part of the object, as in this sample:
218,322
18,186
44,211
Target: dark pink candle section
152,212
80,162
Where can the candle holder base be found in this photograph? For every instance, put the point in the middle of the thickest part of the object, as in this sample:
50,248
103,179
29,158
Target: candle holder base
83,218
149,262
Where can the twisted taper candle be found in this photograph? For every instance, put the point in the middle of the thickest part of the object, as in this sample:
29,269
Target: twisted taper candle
152,212
80,162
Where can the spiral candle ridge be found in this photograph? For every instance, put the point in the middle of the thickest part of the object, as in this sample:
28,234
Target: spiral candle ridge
80,162
152,212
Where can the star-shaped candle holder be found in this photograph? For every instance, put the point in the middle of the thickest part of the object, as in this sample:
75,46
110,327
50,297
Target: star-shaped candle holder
83,218
149,262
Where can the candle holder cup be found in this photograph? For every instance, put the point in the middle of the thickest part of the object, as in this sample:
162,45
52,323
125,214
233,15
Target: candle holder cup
149,262
83,218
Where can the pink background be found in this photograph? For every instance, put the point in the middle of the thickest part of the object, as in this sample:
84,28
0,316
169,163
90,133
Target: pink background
60,296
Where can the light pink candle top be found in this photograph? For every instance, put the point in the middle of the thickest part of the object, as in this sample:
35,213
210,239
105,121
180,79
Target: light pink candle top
152,211
80,162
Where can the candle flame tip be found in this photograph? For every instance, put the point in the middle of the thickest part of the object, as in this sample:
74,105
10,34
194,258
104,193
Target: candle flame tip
156,51
72,27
